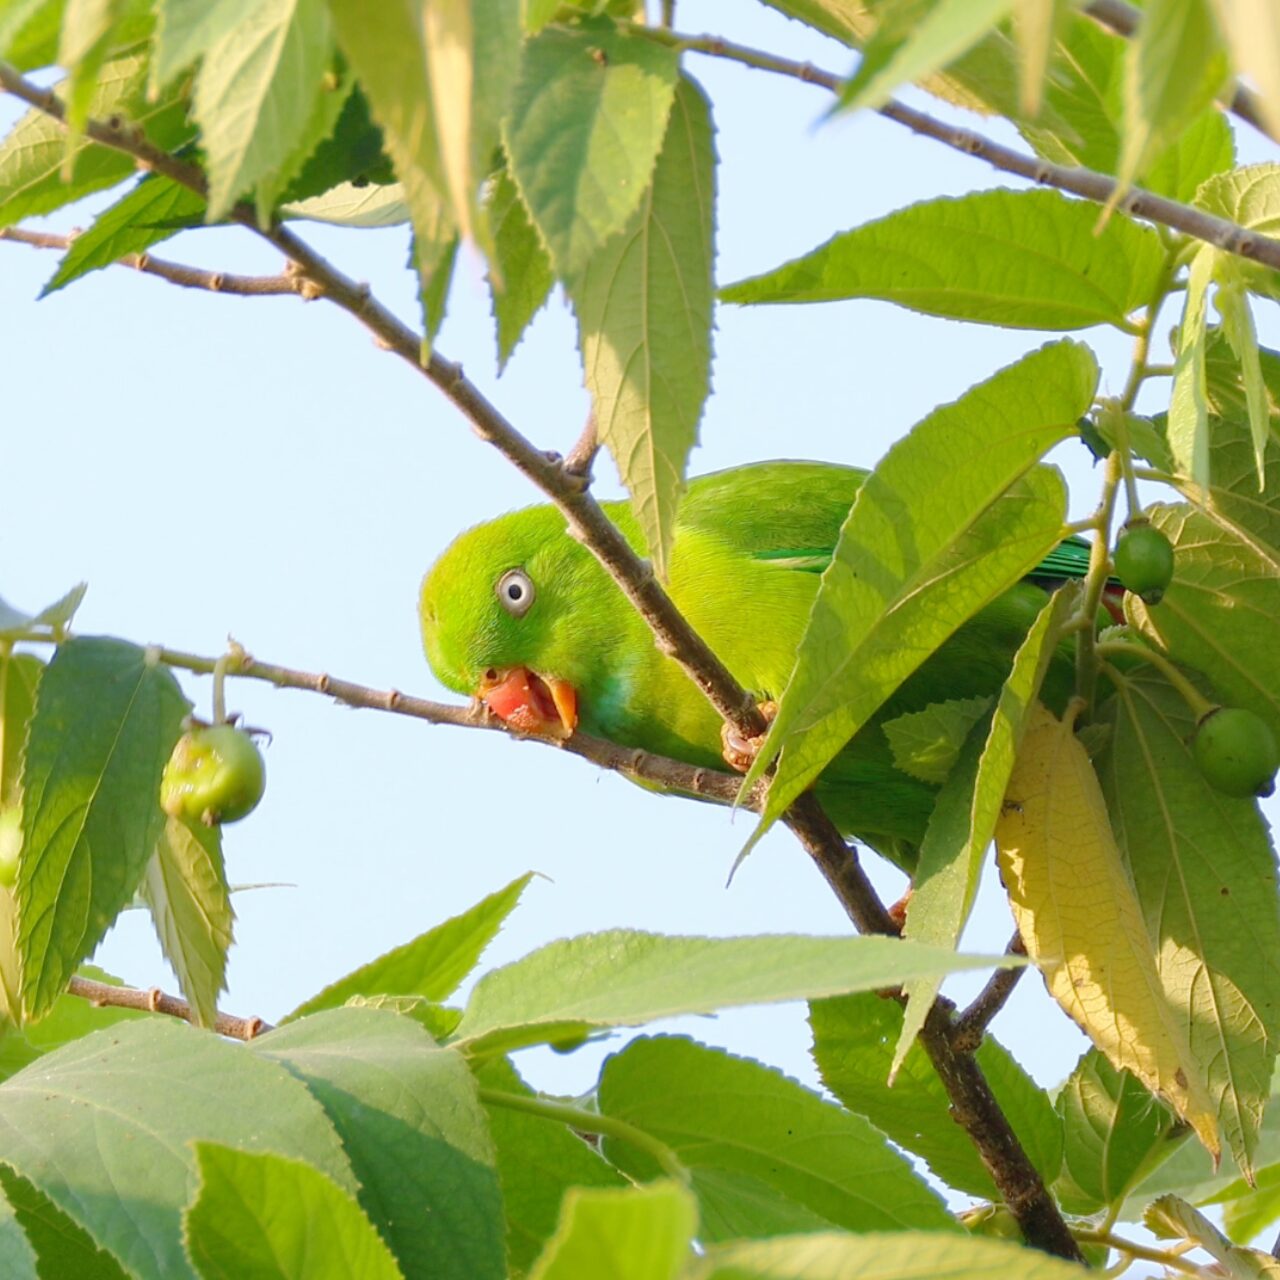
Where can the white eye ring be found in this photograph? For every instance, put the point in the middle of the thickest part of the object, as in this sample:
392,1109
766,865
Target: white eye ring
515,592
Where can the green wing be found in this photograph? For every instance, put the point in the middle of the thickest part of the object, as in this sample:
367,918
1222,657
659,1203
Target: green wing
790,513
784,512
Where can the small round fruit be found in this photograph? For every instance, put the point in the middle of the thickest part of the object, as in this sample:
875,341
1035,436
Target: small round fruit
10,844
214,775
1144,561
1236,751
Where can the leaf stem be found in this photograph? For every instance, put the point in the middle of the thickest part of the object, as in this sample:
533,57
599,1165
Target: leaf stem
1198,704
1146,1253
591,1122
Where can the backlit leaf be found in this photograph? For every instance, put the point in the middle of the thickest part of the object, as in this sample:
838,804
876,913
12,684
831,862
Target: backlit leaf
1082,923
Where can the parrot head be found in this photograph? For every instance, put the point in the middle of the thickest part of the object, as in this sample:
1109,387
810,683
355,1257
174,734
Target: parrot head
506,618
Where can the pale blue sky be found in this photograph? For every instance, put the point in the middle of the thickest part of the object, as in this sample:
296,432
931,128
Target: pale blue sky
215,465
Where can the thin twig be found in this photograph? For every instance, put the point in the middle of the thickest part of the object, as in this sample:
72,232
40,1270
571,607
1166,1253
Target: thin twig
579,459
973,1104
155,1001
174,272
1123,19
971,1024
1228,236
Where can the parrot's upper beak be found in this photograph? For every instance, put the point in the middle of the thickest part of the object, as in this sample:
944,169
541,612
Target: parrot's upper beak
530,702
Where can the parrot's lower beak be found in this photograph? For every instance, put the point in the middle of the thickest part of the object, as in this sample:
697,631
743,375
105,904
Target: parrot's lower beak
531,703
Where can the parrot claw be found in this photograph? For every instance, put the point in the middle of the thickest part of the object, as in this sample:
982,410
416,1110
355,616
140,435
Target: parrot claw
740,752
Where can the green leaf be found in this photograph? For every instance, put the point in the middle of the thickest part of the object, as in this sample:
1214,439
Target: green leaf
1022,259
187,29
1175,67
32,155
936,532
842,20
1237,325
737,1117
106,719
51,621
1192,1173
1082,921
902,1255
1188,429
19,678
1219,613
263,1217
587,120
350,153
1226,575
29,31
433,964
964,818
537,1163
1234,501
1035,26
473,52
61,1248
390,58
1113,1132
926,744
641,1233
521,278
1205,147
1249,196
185,886
946,30
1206,878
257,89
1171,1217
71,1018
1250,1212
1252,30
411,1123
152,212
853,1047
434,265
353,205
83,45
110,1119
644,303
623,978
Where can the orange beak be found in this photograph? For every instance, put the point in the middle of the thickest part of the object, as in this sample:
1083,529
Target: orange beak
531,703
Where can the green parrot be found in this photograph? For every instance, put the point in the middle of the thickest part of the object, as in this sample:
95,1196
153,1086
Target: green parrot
523,617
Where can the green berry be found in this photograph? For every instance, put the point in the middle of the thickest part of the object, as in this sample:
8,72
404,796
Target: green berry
1236,751
1144,561
214,775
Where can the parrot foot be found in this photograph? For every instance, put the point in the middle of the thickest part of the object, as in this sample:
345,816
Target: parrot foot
740,752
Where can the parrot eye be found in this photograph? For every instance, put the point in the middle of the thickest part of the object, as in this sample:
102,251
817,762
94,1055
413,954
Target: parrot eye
515,592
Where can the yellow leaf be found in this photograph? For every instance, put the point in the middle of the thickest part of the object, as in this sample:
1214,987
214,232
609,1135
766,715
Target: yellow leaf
1080,918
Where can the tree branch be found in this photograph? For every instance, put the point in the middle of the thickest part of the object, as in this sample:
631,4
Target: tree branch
174,272
971,1025
155,1001
973,1104
1228,236
708,784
